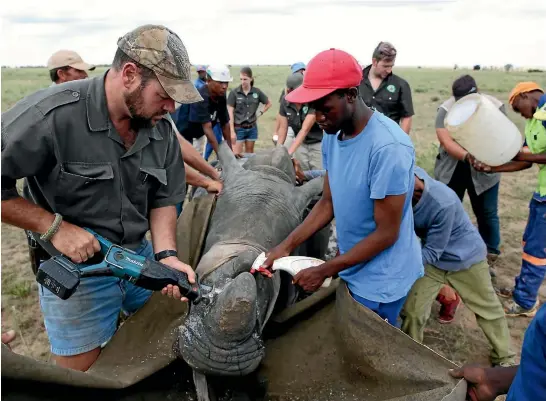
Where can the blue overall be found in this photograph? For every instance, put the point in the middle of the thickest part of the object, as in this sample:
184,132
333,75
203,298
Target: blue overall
533,264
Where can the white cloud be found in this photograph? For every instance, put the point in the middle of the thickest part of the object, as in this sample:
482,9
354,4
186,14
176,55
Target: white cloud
425,32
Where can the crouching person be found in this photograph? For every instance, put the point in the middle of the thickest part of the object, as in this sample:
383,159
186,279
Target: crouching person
453,254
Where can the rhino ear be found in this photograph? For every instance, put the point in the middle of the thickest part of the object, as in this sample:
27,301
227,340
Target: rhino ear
308,191
227,159
281,160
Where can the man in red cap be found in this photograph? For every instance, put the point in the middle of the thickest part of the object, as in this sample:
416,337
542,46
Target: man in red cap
368,187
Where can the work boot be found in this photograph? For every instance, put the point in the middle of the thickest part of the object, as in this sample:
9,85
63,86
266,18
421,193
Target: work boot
448,309
492,259
505,292
512,309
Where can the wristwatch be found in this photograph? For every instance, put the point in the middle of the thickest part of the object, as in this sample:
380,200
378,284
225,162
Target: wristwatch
165,254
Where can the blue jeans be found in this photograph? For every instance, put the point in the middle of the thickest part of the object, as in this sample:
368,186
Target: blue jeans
218,134
388,311
89,317
247,134
485,206
533,264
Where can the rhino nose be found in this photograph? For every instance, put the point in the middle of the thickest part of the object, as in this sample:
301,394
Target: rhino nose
233,315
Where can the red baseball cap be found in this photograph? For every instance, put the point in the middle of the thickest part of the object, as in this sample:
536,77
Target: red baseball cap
328,71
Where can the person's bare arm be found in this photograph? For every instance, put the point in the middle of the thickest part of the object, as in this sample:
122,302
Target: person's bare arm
193,158
282,131
195,179
305,128
321,214
452,148
509,167
226,132
209,133
267,106
405,124
163,230
231,112
388,217
72,241
278,124
538,158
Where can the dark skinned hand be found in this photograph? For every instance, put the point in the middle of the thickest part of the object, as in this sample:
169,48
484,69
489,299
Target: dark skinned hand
479,386
310,279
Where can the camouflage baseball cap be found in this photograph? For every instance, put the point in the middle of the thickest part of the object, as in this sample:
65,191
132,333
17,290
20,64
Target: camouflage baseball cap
161,50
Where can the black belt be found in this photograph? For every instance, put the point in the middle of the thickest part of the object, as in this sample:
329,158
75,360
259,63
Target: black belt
245,125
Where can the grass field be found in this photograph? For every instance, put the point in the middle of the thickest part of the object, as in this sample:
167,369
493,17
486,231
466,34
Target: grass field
461,342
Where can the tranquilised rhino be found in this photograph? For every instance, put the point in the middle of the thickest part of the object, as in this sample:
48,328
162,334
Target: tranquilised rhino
259,207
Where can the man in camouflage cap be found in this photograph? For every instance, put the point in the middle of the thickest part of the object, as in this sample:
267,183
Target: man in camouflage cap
162,51
99,153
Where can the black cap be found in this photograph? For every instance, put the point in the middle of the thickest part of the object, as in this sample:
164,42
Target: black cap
294,81
463,86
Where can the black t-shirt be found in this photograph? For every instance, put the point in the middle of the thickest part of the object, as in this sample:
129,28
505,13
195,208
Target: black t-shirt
296,117
189,118
392,97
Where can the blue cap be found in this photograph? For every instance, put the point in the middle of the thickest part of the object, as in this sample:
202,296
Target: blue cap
201,68
297,66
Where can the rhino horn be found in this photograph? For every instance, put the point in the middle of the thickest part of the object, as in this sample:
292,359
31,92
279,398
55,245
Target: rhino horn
307,192
227,159
233,314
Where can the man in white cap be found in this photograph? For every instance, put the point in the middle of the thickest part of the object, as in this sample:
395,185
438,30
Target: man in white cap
67,65
196,121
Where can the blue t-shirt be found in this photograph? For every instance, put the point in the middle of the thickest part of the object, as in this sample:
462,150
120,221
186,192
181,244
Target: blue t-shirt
530,381
374,164
199,83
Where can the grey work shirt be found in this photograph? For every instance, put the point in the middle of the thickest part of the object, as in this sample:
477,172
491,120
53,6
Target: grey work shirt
246,106
446,164
63,141
296,118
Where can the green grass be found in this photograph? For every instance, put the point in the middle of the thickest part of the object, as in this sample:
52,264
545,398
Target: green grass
19,290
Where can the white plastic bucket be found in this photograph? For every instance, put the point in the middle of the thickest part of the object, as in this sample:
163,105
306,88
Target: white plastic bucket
483,130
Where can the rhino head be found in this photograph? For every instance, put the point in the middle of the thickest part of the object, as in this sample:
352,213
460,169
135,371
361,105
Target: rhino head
259,207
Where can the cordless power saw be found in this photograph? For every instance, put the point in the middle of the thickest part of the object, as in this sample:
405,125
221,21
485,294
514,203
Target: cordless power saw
62,277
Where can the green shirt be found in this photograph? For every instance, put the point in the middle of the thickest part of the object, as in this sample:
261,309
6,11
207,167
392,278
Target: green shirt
535,138
61,139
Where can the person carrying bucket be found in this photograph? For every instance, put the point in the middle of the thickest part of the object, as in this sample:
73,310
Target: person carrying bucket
453,169
529,100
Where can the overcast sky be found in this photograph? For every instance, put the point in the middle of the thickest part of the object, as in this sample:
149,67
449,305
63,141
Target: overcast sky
425,32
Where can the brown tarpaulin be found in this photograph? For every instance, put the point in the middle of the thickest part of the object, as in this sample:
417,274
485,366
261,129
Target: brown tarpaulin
340,352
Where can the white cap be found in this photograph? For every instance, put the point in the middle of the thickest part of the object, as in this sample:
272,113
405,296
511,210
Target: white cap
219,72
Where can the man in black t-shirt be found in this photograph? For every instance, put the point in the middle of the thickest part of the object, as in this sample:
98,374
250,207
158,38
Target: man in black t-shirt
196,121
384,91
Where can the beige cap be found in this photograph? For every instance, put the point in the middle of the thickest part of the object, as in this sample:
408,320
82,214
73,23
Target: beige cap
68,58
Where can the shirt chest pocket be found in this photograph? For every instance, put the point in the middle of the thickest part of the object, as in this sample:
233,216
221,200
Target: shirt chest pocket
84,189
149,180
